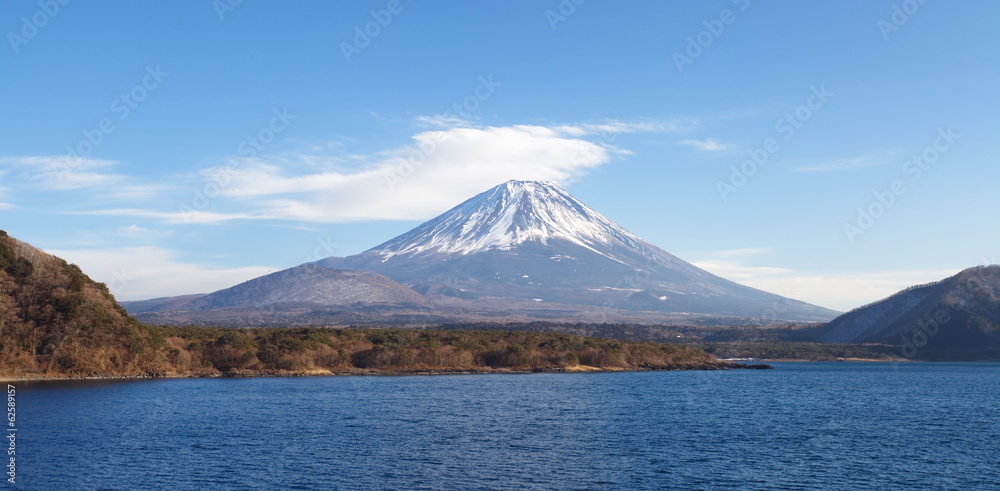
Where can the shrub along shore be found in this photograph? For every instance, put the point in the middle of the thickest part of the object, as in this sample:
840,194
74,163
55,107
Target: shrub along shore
56,322
212,352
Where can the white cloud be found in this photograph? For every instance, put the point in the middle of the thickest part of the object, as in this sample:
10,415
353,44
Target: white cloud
437,170
176,217
139,273
614,127
3,195
839,291
64,172
447,162
706,145
442,121
140,233
743,252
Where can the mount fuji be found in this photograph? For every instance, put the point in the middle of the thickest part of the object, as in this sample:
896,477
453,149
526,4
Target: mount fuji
521,251
528,249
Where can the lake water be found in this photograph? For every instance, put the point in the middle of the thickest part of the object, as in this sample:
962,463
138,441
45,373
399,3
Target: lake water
800,426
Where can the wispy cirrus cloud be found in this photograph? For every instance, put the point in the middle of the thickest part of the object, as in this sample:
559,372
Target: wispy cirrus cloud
63,172
66,173
441,121
4,192
614,127
172,217
707,145
138,233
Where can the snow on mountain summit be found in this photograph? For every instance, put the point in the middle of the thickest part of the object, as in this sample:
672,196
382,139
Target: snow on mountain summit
509,215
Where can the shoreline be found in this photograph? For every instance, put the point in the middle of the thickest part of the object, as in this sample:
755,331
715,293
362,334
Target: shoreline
845,360
377,373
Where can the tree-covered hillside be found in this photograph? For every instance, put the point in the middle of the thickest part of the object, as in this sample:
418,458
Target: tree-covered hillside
55,321
53,318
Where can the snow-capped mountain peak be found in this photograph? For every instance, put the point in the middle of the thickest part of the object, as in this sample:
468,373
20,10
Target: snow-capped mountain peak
508,215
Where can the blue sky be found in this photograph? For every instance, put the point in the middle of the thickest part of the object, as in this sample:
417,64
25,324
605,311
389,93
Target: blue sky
182,147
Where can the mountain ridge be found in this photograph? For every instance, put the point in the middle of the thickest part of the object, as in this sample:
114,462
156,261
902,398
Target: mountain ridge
958,314
310,285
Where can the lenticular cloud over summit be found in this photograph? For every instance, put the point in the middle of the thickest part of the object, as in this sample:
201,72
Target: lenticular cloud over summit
437,169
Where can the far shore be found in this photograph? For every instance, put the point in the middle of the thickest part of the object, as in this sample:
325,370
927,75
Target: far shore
331,373
806,360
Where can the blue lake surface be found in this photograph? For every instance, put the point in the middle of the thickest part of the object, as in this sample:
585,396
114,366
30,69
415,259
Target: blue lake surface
800,426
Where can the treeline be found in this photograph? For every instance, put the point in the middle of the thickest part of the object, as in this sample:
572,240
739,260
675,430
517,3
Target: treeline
209,351
55,321
801,351
662,333
206,351
780,342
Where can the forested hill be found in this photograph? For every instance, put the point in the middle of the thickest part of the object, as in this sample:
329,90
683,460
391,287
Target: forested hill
957,318
53,318
57,322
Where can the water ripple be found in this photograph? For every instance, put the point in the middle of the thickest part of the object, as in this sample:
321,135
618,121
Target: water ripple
800,426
